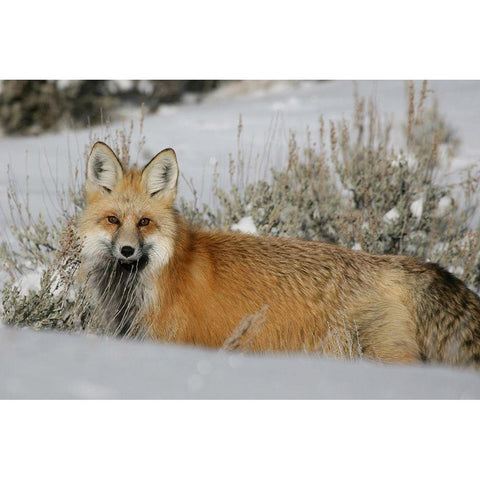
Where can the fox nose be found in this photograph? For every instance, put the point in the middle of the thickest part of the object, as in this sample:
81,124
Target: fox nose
127,251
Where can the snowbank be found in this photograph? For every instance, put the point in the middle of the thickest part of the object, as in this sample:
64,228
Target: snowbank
56,365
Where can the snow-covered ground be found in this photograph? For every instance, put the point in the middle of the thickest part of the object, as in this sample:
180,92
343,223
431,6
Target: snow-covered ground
54,365
37,364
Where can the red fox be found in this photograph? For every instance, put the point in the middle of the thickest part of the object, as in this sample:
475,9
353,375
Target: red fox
147,270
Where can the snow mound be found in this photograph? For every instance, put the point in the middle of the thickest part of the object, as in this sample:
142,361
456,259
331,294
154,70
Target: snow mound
445,205
391,216
57,365
416,208
245,225
30,281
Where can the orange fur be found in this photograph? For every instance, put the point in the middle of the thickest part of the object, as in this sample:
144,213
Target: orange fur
319,296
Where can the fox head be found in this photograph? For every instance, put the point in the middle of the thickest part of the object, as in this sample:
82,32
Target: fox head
129,217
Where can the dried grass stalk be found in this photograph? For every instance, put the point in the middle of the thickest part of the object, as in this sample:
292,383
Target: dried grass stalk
245,331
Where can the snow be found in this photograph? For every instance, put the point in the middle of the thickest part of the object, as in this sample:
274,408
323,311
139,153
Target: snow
290,104
456,270
445,204
120,85
392,215
245,225
64,84
30,281
146,87
416,208
412,162
53,365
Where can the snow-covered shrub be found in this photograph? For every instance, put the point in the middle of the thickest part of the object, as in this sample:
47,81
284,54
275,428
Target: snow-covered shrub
53,304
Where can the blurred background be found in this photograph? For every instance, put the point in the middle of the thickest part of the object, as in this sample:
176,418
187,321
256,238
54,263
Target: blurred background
31,107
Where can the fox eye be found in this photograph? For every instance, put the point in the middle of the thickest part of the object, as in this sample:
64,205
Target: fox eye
143,222
112,219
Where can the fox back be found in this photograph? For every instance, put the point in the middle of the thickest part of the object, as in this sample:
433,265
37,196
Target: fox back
150,273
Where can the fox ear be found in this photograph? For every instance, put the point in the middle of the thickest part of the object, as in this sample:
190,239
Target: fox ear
104,170
161,174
